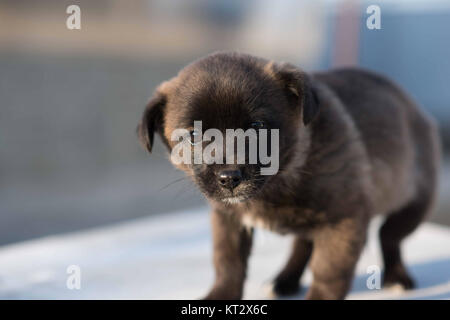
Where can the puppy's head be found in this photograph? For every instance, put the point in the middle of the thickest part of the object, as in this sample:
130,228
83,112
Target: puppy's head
231,91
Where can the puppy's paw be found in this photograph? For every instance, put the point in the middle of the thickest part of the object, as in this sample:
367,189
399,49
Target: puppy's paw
398,277
283,288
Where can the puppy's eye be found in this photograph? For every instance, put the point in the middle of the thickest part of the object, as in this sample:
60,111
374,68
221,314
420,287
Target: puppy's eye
258,124
194,137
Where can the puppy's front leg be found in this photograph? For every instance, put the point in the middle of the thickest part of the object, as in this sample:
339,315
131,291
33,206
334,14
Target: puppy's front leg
335,254
232,244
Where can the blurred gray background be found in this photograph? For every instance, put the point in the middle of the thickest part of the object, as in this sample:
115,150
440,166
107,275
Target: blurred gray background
70,100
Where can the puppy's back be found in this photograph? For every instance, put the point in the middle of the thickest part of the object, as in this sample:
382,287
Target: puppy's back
401,140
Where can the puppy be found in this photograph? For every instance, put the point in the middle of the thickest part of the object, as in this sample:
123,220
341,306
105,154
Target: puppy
351,145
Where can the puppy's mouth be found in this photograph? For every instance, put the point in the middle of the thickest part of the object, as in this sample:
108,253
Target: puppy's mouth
234,200
240,195
243,193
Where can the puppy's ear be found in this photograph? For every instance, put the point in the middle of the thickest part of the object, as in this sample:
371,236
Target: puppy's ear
298,88
151,119
311,106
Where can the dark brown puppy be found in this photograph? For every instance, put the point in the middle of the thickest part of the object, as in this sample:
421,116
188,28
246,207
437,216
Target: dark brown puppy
352,145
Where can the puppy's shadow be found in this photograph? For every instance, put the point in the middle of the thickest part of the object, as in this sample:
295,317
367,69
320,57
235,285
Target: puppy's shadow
432,280
428,275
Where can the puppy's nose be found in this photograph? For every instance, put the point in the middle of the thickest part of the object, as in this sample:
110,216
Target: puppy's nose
230,179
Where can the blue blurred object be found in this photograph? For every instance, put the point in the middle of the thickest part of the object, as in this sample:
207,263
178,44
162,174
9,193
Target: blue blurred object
414,49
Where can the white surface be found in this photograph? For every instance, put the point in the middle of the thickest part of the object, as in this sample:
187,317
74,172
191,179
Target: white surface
170,257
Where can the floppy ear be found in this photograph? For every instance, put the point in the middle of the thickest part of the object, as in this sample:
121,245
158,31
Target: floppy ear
151,120
311,106
298,88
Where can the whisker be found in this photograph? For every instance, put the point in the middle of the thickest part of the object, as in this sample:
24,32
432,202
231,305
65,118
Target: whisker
171,183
